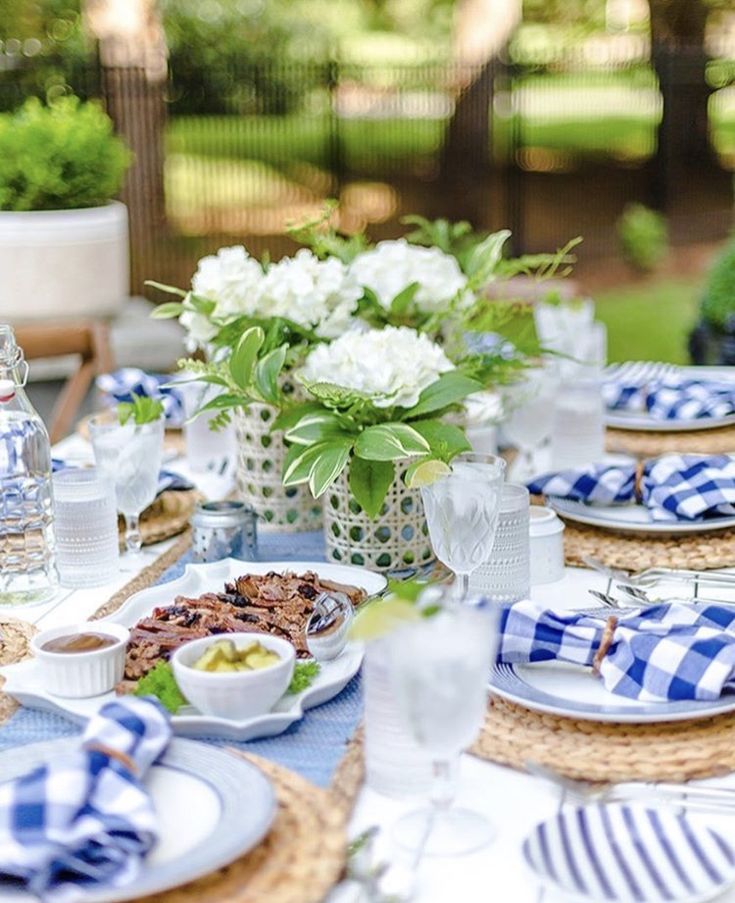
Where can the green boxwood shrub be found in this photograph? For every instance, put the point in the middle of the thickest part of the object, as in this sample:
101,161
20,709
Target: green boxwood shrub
644,236
718,304
59,157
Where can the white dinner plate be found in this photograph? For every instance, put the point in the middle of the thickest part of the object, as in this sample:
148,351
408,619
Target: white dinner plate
632,518
212,808
23,680
570,691
640,421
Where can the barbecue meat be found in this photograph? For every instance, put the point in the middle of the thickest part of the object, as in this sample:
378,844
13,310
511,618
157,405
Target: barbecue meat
278,604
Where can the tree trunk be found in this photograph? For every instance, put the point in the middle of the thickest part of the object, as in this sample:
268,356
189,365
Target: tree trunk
482,30
134,61
679,57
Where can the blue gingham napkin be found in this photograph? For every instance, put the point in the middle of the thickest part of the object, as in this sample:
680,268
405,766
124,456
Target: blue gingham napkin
666,394
128,381
672,487
666,652
85,820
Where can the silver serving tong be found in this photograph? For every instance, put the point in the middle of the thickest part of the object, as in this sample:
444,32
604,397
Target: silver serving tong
329,625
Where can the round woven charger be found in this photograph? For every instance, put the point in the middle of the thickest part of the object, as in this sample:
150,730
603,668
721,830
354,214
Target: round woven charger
645,444
592,751
168,516
299,861
636,551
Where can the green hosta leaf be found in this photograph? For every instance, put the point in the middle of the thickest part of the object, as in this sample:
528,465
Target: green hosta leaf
169,289
316,427
389,442
369,483
450,388
298,462
328,465
267,371
289,417
167,311
486,256
403,300
244,356
445,439
204,306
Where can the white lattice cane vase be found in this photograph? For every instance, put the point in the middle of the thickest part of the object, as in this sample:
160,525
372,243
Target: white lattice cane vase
260,455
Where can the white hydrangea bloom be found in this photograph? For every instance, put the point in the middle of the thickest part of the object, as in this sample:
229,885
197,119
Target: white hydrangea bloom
317,294
391,266
232,278
199,330
394,364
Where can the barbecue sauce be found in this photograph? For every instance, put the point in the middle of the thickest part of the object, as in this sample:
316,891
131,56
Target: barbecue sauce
79,642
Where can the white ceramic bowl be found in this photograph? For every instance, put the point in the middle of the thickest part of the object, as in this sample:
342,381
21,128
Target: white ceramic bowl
234,694
74,675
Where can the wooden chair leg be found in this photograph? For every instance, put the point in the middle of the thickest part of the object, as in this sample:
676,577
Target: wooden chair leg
70,400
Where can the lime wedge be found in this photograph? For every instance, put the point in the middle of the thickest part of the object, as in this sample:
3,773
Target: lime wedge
382,616
425,473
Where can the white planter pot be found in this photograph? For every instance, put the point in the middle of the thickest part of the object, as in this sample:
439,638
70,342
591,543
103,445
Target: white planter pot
63,264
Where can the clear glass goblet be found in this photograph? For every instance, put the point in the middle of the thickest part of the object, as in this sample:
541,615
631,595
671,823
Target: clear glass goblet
462,513
529,421
129,455
439,670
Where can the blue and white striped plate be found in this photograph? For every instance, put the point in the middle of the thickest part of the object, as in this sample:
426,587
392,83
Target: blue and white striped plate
630,854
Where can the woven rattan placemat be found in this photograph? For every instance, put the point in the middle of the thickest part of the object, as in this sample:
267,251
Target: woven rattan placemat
635,551
645,444
674,751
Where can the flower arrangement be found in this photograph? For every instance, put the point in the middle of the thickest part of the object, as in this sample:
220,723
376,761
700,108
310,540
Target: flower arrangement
377,397
300,300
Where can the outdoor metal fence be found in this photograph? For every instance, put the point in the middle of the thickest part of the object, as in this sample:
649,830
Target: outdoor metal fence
551,149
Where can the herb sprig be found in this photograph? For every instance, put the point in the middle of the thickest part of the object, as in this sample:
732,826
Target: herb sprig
141,410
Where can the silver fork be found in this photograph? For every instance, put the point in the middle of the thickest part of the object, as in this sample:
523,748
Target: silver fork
641,597
709,799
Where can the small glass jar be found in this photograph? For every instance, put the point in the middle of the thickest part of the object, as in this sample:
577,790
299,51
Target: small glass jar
224,530
546,533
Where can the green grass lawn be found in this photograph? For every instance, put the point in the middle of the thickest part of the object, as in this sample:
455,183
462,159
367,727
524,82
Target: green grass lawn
650,321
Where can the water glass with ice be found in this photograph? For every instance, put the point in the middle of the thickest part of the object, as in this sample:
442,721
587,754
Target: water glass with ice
130,456
440,667
505,576
87,542
462,513
529,406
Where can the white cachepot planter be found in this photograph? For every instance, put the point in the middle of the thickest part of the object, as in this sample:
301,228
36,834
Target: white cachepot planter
63,264
398,538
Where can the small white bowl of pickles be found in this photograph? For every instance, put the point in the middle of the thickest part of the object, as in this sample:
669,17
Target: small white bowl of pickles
234,675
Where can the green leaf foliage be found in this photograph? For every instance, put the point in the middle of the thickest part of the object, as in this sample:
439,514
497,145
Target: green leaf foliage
168,311
389,442
718,305
316,427
329,464
60,157
445,440
404,299
369,482
450,388
304,675
141,409
242,360
267,371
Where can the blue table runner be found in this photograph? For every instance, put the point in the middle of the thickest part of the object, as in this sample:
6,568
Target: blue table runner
312,747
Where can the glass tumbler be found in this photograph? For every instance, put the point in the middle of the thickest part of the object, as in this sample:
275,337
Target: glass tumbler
506,575
87,542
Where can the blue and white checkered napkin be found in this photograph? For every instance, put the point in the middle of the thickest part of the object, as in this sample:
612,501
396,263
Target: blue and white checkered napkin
85,819
666,652
128,381
664,393
672,487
